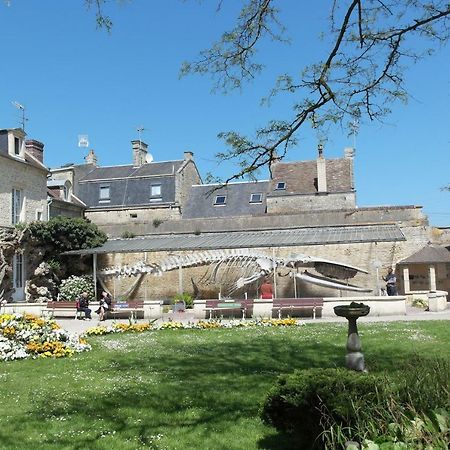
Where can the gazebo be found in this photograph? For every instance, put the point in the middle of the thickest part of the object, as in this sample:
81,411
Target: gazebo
426,271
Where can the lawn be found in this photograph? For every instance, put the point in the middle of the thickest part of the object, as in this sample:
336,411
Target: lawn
184,389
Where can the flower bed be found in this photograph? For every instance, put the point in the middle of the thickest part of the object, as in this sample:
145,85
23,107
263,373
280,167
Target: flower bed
200,325
27,336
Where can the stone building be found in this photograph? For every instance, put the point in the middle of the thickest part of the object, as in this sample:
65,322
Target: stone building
23,191
120,198
306,208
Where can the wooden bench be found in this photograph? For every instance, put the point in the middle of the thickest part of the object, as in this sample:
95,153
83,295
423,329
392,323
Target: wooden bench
132,307
244,306
55,307
297,304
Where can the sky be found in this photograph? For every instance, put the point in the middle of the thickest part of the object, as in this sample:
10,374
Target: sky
74,79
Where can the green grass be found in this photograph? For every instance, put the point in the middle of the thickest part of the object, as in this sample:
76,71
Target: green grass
184,389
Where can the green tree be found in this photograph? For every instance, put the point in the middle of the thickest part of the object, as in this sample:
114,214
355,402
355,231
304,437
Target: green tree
371,44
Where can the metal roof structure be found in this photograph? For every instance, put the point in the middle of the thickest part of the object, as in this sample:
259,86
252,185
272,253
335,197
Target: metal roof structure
428,255
250,239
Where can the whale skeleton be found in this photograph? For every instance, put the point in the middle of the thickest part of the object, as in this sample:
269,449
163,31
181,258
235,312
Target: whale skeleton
236,268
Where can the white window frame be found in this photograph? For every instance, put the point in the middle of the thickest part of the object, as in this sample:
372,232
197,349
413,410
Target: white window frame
220,203
155,192
17,146
39,215
259,194
102,198
16,206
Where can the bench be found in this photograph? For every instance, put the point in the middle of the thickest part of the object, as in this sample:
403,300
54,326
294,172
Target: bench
244,306
132,307
55,307
297,304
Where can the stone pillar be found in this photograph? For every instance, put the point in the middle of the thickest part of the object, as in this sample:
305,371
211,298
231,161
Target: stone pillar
406,284
321,175
432,273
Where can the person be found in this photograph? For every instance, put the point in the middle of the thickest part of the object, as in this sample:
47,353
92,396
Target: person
105,305
266,289
83,305
391,282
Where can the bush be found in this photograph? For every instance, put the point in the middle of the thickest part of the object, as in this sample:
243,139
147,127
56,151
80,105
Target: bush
72,287
299,402
186,298
327,407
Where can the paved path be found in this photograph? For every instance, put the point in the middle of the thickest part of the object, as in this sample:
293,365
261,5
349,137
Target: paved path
412,314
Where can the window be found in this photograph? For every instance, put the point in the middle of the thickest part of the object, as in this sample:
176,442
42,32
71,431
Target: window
221,200
155,193
104,194
256,198
18,271
39,215
281,186
17,146
66,193
16,209
155,190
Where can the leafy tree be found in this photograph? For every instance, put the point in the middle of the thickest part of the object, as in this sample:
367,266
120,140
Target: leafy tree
371,43
62,234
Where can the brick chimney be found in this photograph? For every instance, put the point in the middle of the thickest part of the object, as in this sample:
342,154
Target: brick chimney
91,158
139,152
321,171
36,149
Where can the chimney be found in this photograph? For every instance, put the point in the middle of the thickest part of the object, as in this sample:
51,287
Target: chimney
91,158
321,171
139,152
188,155
36,149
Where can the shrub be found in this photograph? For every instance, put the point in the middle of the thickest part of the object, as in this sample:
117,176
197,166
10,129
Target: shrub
299,402
127,235
332,406
157,222
184,297
72,287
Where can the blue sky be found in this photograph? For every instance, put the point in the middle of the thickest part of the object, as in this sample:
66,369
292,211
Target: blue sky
74,79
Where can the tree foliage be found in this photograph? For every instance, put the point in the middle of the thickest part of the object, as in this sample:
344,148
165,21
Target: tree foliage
371,43
62,234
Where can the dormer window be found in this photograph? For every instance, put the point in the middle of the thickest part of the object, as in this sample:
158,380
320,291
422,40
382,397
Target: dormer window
17,146
221,200
281,186
104,196
256,198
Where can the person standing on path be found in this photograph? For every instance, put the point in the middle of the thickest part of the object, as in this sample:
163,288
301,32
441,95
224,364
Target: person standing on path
391,282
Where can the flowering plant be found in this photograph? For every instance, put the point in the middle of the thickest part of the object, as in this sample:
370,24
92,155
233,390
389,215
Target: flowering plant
200,325
72,287
24,335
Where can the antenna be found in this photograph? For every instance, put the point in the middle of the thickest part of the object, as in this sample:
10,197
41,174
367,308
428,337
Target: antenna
354,128
21,108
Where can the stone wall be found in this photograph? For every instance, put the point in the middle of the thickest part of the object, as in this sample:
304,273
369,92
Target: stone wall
184,180
292,203
33,184
116,222
364,255
406,215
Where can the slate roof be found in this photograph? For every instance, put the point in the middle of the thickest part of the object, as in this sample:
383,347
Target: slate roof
251,239
146,170
301,176
428,255
201,199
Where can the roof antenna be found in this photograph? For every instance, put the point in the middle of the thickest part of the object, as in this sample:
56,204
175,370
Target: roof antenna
21,108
